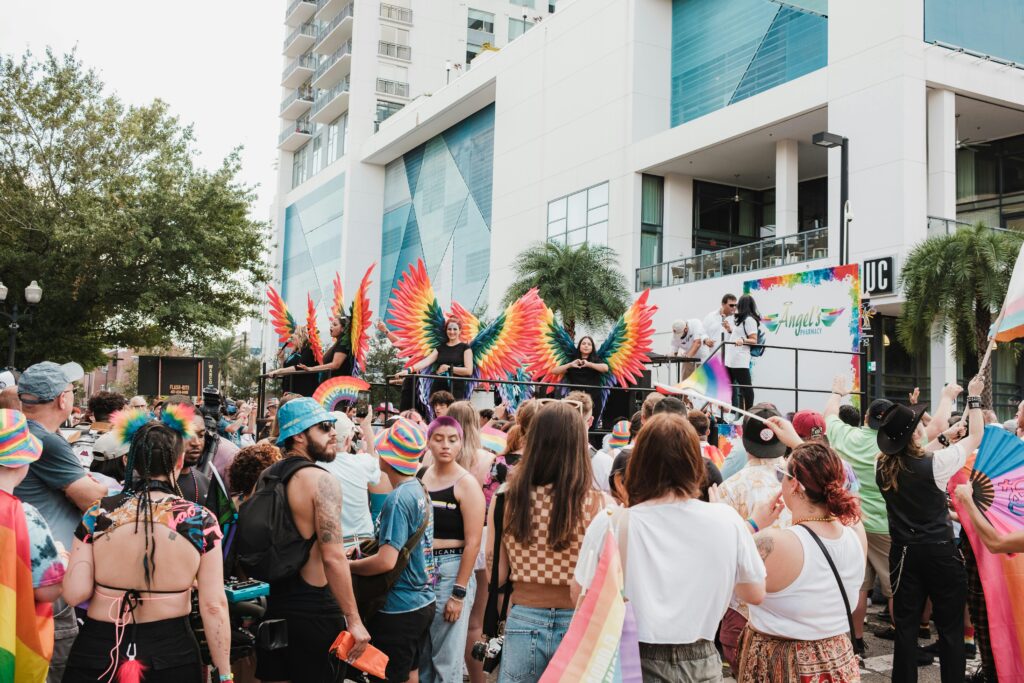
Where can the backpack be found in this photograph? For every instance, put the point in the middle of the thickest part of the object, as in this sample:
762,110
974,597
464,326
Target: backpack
758,351
269,545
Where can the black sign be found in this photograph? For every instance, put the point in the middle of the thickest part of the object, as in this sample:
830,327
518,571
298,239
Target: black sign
878,276
176,375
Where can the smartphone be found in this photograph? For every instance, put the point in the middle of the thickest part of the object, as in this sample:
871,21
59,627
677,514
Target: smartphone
362,407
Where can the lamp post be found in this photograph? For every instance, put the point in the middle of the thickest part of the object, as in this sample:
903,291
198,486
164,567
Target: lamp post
828,141
33,293
447,71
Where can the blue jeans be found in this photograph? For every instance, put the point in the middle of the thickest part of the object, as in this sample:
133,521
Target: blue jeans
532,635
443,653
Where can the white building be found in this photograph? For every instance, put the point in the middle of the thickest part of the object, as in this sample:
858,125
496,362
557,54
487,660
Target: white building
678,132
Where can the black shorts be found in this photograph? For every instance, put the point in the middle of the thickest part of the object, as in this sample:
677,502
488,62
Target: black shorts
401,637
313,621
167,648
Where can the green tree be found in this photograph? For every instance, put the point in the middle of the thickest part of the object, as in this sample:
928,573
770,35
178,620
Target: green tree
382,362
244,378
102,204
955,284
229,353
582,284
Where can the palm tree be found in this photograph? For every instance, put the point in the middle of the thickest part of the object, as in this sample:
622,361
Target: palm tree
227,350
582,284
957,283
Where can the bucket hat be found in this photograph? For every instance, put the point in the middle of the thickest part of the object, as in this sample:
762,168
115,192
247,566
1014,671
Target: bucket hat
402,446
18,446
299,415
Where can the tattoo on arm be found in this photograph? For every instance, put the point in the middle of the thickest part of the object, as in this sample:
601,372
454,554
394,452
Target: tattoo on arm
327,506
765,546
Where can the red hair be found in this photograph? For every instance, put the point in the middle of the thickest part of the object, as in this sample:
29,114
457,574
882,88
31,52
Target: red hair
817,467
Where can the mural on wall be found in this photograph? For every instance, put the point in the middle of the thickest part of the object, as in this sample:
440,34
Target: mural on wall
437,206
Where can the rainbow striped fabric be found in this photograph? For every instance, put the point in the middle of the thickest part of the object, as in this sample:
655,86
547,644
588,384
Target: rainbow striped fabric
493,440
1010,323
711,379
26,628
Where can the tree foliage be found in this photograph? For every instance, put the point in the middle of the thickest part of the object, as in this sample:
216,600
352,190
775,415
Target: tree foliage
956,284
102,204
582,284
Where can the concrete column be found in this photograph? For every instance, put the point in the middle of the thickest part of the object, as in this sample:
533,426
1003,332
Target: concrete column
941,153
943,366
678,229
787,179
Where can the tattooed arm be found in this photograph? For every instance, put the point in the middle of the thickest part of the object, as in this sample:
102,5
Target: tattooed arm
327,524
213,608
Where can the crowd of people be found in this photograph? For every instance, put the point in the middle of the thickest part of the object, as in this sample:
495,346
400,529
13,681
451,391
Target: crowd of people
411,531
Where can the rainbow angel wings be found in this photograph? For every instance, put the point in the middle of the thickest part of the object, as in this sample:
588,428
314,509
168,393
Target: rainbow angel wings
314,331
338,303
359,323
415,317
283,322
552,347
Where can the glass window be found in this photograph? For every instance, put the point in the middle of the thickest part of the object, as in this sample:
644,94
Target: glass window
575,237
299,170
386,109
597,234
597,215
580,217
578,210
517,27
725,216
556,209
652,198
556,227
597,196
480,21
318,157
523,3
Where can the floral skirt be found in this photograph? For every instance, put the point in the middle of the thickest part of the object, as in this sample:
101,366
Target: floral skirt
765,658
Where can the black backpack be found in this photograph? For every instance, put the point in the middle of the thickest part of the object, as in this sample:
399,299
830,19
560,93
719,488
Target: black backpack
269,545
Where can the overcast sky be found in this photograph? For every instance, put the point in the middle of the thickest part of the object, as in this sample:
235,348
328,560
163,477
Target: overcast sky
217,63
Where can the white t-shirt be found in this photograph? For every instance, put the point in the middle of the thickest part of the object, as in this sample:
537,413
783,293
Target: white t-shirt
683,562
356,472
739,356
679,346
946,463
601,463
713,325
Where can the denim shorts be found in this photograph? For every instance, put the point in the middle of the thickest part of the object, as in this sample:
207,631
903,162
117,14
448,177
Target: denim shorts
532,634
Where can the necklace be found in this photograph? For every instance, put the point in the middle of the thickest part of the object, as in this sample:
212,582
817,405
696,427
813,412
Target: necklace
827,518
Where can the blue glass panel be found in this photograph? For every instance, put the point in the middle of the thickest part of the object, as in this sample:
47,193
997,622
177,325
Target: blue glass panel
991,27
312,244
724,51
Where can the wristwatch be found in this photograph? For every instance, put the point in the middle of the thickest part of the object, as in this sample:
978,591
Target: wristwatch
458,592
943,439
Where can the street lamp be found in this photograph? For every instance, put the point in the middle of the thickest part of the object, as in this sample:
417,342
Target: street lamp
447,71
33,294
828,141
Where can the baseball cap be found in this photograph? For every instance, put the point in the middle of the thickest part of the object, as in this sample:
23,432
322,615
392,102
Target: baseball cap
809,424
299,415
46,381
876,411
343,424
18,446
110,447
758,439
7,379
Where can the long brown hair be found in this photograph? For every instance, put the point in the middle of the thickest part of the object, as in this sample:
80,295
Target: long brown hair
666,458
556,454
467,416
890,466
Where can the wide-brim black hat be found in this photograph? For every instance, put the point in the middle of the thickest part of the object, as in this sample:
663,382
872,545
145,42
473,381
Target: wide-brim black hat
897,427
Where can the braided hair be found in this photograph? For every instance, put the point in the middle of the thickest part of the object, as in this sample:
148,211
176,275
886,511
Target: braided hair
154,452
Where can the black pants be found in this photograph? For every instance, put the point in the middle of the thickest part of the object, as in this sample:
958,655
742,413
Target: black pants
919,572
742,392
167,648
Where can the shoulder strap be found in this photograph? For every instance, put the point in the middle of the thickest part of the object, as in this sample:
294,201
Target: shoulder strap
494,616
839,580
621,522
287,468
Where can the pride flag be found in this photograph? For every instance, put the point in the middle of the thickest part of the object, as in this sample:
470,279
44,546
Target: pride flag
26,628
601,643
1010,323
493,440
711,379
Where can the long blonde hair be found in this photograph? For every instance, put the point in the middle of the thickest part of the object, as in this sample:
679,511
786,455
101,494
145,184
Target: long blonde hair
469,420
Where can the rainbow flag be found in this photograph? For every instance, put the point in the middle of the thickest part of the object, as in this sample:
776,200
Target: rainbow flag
711,379
26,628
1010,323
601,643
493,440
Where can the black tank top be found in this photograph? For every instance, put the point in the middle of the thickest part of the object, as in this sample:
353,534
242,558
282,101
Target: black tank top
447,512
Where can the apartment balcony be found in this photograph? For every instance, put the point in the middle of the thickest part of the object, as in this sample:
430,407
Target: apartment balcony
295,135
300,40
330,104
326,9
299,12
394,50
770,253
947,226
332,69
334,34
395,13
298,71
297,103
392,88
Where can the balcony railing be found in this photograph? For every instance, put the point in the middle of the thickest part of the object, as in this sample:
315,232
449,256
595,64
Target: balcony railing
396,13
301,62
323,97
302,127
947,226
304,94
308,7
394,50
307,29
394,88
325,29
327,63
770,253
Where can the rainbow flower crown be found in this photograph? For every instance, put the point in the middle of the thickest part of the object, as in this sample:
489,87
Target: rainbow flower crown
177,417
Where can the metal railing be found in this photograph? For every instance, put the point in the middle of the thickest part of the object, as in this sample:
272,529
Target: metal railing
302,126
294,5
325,96
307,29
947,226
326,64
769,253
325,29
394,50
394,88
396,13
297,94
307,61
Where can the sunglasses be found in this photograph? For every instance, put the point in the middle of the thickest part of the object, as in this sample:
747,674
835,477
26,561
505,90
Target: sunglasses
326,426
781,473
575,404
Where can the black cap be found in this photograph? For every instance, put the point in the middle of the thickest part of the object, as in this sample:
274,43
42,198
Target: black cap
876,410
759,440
897,427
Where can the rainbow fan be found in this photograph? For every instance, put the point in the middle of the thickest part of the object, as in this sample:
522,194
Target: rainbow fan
339,389
338,305
283,322
359,324
711,379
313,329
998,479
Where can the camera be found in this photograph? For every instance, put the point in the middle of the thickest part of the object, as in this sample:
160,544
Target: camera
488,652
211,402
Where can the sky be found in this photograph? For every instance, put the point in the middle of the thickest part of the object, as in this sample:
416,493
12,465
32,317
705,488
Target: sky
216,63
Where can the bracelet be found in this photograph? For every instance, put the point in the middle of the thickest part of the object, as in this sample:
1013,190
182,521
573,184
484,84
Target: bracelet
458,591
974,401
227,677
753,524
458,600
941,438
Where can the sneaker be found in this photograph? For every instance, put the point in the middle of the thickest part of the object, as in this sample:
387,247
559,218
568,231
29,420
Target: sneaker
924,632
932,648
924,658
884,614
887,633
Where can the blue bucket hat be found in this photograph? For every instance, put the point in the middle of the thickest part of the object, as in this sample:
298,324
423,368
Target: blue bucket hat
298,415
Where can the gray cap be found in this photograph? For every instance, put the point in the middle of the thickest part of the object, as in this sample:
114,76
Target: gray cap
46,381
109,447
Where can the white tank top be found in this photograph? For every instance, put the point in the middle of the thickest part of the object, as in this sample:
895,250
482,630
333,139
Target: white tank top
811,608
